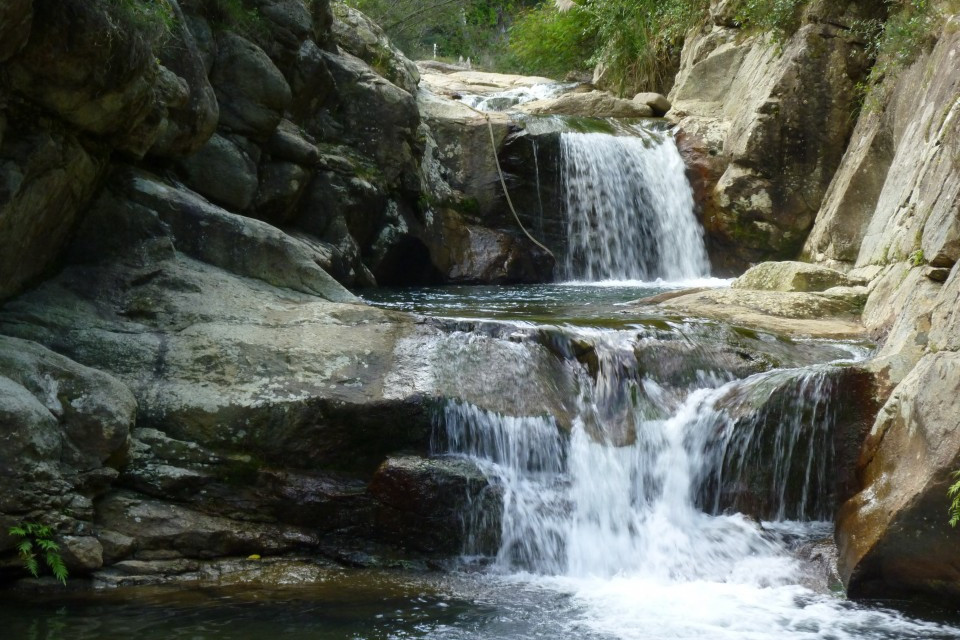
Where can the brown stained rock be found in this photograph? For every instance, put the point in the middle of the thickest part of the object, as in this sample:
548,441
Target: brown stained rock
777,118
466,253
893,535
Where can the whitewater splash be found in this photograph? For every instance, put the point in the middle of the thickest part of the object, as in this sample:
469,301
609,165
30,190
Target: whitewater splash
626,511
630,209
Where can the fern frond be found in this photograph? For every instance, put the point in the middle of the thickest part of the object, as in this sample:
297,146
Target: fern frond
57,567
31,565
41,530
18,531
47,545
25,548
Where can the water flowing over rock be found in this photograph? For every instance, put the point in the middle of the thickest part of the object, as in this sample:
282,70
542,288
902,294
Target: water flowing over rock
629,209
765,445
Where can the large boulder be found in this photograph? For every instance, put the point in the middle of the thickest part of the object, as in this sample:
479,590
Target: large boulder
656,101
93,65
16,18
65,430
425,504
464,154
792,276
192,112
46,179
594,104
222,171
169,219
359,35
466,253
251,90
893,535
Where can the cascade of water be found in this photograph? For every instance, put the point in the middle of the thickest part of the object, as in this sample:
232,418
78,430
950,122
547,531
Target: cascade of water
630,209
633,488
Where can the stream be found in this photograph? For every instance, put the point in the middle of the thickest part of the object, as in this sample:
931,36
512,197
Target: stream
680,486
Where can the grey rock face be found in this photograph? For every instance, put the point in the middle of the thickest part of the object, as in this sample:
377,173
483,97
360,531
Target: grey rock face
252,91
777,118
360,36
792,276
46,179
223,172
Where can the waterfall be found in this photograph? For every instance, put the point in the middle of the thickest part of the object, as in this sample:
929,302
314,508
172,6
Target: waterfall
639,484
630,209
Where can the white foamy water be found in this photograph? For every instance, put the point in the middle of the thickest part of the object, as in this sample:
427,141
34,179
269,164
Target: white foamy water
619,514
506,100
630,209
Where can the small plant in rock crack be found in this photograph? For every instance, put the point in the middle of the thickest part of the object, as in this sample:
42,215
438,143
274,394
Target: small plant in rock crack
37,540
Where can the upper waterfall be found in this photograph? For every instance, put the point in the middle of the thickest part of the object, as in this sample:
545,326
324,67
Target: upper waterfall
630,210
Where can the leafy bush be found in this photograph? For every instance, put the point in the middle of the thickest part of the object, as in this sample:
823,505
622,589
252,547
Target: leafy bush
38,539
781,18
896,42
546,41
467,28
637,41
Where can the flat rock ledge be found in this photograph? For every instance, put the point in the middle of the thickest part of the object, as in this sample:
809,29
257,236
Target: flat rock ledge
833,313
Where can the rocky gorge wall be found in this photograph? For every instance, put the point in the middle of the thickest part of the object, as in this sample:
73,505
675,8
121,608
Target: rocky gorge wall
184,199
783,170
185,192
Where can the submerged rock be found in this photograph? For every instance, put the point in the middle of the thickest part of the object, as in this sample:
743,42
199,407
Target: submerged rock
430,504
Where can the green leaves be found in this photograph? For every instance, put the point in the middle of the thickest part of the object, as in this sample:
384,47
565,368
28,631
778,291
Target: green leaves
635,40
39,538
954,494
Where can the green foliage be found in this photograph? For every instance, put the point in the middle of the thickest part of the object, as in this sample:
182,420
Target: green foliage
780,18
916,258
469,28
546,41
954,494
896,42
237,15
38,539
637,41
153,18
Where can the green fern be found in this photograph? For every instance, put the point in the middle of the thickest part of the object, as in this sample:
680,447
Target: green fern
38,538
954,494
